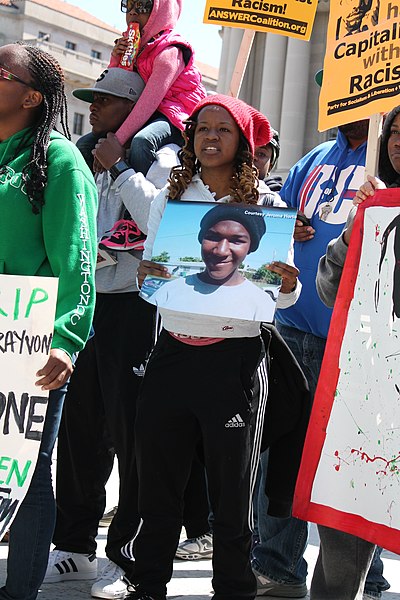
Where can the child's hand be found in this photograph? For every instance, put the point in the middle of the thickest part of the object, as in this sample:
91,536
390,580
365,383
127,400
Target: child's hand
368,189
120,46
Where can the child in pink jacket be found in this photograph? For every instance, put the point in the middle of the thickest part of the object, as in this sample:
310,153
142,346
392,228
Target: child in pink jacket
165,61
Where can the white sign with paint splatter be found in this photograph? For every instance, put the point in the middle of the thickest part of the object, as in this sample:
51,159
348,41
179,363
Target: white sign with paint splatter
359,468
350,473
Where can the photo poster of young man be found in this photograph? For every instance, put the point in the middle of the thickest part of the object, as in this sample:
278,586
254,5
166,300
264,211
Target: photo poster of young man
217,257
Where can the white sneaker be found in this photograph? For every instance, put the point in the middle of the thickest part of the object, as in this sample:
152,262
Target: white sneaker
110,583
68,566
196,548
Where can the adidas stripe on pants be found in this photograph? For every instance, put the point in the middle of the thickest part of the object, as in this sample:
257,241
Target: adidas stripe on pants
214,395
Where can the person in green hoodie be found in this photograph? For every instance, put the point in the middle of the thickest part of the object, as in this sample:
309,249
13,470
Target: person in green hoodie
48,196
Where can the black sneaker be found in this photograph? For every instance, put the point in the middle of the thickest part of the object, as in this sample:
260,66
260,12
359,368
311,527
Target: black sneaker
133,594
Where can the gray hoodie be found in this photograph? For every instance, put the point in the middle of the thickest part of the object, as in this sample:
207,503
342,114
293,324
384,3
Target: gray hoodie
134,192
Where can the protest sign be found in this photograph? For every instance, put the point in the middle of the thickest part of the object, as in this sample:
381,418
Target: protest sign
216,255
293,18
349,475
361,70
27,308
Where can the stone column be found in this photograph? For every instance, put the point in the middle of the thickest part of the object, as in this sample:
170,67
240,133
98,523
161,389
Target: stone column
294,102
273,75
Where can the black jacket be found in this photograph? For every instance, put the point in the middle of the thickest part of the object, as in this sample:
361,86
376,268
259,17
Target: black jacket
286,419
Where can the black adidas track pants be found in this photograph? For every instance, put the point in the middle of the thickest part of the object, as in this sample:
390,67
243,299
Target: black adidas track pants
215,395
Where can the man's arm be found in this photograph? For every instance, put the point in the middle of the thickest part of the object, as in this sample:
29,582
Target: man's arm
136,191
331,265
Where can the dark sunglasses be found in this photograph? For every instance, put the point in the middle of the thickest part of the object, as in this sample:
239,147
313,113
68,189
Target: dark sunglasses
140,6
4,74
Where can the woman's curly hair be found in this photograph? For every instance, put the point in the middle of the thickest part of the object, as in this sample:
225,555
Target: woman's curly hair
244,182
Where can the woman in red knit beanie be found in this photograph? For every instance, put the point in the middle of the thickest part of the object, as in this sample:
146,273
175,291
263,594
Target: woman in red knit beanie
205,383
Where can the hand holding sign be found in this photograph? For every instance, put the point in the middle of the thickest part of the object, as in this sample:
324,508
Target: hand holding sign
56,371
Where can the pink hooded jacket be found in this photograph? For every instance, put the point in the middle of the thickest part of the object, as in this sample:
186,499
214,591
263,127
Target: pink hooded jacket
166,64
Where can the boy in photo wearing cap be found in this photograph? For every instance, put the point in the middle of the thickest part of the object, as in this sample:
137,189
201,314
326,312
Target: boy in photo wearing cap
212,372
227,235
100,406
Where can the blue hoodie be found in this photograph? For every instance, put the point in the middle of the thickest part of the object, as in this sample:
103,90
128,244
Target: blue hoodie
326,178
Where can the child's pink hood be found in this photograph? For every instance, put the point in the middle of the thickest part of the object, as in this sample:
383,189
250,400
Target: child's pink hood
164,15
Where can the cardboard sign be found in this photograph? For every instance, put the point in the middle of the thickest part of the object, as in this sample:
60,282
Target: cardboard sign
293,18
361,70
349,475
216,255
27,309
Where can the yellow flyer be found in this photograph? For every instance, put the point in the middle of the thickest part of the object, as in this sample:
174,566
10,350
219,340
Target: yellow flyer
293,18
361,67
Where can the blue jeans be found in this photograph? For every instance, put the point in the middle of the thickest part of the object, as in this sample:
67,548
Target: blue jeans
281,542
279,555
375,583
157,132
32,528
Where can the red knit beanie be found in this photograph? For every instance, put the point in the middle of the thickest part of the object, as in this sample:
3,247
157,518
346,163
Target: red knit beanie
254,126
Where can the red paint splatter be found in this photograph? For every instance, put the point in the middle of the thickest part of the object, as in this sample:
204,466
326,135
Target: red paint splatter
339,464
389,466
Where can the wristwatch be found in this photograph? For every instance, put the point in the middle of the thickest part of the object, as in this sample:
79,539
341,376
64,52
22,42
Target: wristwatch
119,167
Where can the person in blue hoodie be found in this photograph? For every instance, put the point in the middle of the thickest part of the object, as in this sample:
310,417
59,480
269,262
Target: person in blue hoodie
321,186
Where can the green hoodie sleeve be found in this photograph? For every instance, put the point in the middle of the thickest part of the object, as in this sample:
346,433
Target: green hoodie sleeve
70,238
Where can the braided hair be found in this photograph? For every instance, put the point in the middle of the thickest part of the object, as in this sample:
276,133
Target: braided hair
244,182
48,79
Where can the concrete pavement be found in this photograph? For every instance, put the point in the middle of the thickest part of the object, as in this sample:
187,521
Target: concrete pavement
191,580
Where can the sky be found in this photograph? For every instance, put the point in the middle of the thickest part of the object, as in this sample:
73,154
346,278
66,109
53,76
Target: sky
178,233
204,38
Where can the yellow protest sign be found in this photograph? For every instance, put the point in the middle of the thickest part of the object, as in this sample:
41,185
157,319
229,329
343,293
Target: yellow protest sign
293,18
361,67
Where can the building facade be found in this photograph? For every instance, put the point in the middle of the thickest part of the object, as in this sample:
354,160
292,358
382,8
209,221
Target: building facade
78,40
279,81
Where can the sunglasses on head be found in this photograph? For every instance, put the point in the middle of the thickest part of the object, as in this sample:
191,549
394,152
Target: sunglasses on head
4,74
139,6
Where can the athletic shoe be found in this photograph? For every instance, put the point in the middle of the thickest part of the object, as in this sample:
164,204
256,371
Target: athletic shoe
68,566
267,587
110,583
196,548
124,235
108,516
137,595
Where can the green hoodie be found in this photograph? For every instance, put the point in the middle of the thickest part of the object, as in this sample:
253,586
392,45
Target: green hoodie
60,241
